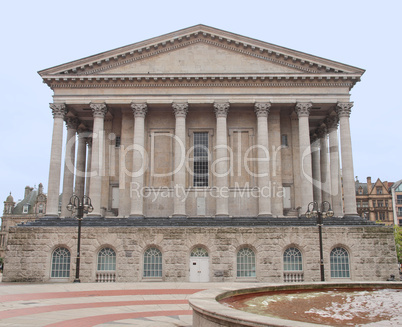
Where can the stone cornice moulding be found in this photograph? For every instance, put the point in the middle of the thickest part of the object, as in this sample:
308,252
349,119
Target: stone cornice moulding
201,81
201,33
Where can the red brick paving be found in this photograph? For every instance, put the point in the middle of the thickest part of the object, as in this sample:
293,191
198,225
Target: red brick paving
95,320
50,308
55,295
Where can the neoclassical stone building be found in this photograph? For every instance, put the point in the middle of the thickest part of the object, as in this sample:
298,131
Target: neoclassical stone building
201,148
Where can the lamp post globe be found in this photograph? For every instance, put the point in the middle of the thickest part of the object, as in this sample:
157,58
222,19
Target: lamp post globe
319,212
78,207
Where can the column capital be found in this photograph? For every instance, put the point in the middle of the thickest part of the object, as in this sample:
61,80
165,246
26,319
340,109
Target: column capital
262,109
180,109
139,109
71,122
221,109
331,122
98,109
58,110
303,109
343,109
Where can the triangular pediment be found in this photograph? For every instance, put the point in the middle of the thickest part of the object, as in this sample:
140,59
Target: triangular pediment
200,58
381,186
201,50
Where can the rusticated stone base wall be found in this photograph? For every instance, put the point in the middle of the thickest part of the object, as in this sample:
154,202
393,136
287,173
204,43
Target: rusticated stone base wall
371,250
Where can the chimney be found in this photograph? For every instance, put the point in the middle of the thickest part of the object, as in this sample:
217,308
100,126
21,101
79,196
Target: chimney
40,189
369,187
27,191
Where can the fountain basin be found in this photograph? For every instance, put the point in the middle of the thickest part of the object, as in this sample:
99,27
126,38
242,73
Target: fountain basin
214,308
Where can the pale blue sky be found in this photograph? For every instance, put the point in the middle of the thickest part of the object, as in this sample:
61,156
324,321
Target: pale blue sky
40,34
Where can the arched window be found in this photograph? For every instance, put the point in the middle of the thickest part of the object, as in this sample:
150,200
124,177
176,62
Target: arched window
292,260
106,259
245,263
152,263
199,252
60,263
339,259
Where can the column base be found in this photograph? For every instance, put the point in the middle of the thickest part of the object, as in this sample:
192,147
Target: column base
178,215
351,215
264,215
51,215
222,215
94,215
136,216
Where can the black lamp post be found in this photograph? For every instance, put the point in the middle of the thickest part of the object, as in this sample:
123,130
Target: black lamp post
319,212
78,207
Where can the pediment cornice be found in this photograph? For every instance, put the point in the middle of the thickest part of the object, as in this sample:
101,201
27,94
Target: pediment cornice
140,81
95,68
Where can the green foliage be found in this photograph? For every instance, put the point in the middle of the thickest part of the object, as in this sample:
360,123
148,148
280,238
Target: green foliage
398,242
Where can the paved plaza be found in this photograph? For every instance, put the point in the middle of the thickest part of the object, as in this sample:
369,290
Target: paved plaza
99,304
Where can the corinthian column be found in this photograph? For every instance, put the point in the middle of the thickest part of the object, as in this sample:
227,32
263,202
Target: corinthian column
222,180
53,188
325,181
69,165
88,141
137,201
316,167
180,111
80,168
303,112
343,110
95,188
336,189
264,202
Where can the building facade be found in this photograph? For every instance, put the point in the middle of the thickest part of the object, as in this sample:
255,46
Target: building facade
374,201
200,147
30,208
396,192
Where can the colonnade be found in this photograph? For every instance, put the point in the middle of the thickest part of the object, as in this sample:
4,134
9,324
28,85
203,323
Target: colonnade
315,166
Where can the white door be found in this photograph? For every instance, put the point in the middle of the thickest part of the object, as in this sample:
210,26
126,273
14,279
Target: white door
115,197
199,269
286,198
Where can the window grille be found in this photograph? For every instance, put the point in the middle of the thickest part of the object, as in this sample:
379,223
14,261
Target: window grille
246,263
60,263
152,263
117,141
107,259
284,140
200,177
339,259
106,271
199,252
292,260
